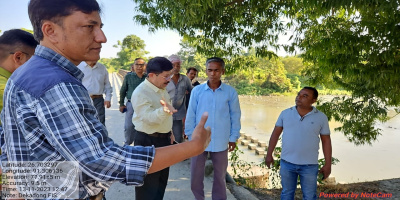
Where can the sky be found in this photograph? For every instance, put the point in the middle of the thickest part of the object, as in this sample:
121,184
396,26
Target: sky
117,17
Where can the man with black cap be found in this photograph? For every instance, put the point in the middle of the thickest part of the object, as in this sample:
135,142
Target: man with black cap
153,121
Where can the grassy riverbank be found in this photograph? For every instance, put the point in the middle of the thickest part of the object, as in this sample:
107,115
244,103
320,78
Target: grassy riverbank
387,189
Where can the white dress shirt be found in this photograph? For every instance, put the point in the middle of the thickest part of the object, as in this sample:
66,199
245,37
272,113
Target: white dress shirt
96,79
149,116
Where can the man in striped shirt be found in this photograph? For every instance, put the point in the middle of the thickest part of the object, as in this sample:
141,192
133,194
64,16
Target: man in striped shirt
48,115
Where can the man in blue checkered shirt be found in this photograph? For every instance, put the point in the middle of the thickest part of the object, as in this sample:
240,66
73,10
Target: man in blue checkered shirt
48,114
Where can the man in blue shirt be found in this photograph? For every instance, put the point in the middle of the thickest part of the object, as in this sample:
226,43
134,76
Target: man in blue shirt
303,126
222,103
48,115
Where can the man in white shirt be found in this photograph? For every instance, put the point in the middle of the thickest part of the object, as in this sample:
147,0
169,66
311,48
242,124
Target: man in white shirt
153,122
97,83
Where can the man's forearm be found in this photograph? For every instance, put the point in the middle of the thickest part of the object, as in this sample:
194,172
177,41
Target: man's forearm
327,148
274,139
272,144
170,155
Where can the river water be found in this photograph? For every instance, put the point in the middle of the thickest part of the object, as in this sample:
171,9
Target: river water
381,160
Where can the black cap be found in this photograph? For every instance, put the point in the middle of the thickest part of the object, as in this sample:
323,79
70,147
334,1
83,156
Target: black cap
158,64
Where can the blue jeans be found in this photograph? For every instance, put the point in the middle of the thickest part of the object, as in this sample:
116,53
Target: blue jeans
308,180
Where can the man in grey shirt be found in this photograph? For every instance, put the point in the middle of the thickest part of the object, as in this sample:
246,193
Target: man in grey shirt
177,88
303,127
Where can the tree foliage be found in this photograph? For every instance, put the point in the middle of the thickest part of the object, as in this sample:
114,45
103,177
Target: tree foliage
27,30
256,75
353,45
220,27
131,47
348,44
293,64
112,64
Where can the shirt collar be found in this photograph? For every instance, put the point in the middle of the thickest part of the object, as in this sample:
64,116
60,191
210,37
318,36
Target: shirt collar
94,67
221,87
314,110
60,60
6,74
143,76
180,77
153,87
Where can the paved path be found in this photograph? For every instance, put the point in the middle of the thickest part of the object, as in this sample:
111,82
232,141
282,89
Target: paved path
179,179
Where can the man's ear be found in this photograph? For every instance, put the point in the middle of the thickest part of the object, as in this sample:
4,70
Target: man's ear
50,32
223,71
151,75
314,100
18,58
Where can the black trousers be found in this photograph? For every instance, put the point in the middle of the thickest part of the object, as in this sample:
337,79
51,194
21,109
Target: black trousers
155,183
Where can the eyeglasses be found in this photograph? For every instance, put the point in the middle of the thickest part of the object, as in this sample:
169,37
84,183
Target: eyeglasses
21,52
166,77
139,65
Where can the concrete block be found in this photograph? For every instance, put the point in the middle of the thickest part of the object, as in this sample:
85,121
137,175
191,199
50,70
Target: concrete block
260,151
245,142
262,144
242,133
251,146
247,137
254,140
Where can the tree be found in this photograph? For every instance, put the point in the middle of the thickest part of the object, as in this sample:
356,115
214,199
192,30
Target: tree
191,58
112,64
221,27
349,44
27,30
293,64
131,47
294,67
354,45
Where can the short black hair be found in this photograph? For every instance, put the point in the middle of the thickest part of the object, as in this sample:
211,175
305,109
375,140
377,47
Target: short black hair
191,68
216,59
136,60
158,64
315,92
15,40
55,10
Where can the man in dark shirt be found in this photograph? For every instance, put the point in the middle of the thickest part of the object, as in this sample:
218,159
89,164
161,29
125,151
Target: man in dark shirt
191,73
131,81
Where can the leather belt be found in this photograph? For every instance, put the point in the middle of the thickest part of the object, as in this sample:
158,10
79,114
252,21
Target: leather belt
160,135
95,96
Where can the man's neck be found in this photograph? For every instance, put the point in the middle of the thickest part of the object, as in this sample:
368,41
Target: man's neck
175,78
139,75
6,65
215,85
303,110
